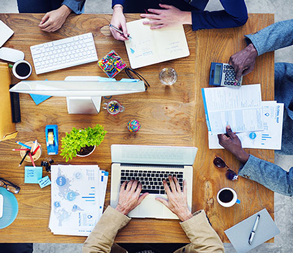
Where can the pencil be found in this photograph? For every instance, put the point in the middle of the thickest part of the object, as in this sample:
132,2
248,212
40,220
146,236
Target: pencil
23,158
20,149
20,143
32,160
118,30
36,149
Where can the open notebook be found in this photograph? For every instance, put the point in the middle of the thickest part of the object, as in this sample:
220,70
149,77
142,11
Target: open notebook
148,46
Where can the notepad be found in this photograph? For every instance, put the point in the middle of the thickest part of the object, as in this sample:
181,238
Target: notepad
239,234
147,46
5,33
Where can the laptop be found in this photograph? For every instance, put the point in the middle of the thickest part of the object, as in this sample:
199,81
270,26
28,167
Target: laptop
5,33
150,165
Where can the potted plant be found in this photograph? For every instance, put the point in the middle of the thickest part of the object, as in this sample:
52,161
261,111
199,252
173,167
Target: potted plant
81,142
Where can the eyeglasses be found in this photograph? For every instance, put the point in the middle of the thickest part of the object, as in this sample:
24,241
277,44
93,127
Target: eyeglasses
230,174
9,186
130,72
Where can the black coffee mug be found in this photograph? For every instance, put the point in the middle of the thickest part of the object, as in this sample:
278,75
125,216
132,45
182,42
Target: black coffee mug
22,69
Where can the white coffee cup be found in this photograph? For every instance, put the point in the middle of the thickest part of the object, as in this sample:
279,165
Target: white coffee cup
22,69
227,197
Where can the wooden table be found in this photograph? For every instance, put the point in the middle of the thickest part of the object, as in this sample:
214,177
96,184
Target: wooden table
168,115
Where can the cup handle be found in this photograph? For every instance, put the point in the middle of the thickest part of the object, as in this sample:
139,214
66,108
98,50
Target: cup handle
237,201
122,108
104,107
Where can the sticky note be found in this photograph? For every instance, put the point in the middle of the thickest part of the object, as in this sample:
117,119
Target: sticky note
32,175
45,181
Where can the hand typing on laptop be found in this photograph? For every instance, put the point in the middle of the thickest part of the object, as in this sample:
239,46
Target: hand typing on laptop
129,196
177,199
196,226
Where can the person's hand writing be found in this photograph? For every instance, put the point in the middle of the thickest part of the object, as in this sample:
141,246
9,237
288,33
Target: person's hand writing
231,142
177,199
129,196
53,20
168,16
243,61
119,20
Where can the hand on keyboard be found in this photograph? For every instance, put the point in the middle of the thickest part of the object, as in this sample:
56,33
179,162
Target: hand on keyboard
177,199
129,196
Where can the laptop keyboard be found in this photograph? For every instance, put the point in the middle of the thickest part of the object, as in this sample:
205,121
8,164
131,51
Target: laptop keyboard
152,181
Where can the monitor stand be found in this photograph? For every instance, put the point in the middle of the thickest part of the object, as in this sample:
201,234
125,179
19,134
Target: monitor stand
83,105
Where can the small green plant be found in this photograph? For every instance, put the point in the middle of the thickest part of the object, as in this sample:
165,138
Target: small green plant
78,139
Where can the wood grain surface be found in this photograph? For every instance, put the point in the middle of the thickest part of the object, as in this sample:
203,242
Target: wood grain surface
168,115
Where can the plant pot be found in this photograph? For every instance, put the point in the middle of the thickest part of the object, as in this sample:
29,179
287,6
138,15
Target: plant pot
84,152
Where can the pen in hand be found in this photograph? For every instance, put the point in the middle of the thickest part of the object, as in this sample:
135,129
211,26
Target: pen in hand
251,236
118,30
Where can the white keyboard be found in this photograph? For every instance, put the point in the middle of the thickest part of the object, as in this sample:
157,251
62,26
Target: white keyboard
64,53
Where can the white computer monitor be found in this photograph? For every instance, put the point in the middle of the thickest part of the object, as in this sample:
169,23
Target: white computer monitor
83,93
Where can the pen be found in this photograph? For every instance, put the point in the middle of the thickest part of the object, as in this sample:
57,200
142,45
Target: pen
118,30
36,149
20,143
23,158
32,160
251,236
20,149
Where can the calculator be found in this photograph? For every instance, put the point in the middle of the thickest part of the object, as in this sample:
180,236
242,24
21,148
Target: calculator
223,74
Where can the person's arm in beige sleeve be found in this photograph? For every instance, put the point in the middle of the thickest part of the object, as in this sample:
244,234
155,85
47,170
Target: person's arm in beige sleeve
102,237
202,236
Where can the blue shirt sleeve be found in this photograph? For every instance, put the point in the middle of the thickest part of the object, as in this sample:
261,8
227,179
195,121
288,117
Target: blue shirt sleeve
77,6
233,15
273,37
269,175
118,2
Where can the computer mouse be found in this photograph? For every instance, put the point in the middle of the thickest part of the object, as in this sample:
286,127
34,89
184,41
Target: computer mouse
1,205
10,54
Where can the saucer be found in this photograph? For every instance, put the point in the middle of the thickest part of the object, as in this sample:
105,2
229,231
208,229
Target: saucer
10,208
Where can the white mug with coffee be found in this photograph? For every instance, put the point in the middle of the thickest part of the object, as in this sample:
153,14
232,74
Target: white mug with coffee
22,69
227,197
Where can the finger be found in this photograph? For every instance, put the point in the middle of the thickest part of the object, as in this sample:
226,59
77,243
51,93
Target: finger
163,201
149,16
166,187
185,189
129,184
166,6
122,188
134,186
124,29
178,188
239,73
138,188
46,25
45,18
230,133
142,197
248,70
155,11
172,184
117,35
158,26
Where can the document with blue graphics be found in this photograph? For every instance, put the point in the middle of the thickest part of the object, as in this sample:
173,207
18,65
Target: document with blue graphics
269,138
77,198
240,108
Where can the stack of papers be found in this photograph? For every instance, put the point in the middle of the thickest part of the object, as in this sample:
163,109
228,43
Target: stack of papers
77,198
269,138
257,123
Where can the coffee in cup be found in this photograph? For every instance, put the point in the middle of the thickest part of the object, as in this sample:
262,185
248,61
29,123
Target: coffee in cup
227,197
22,69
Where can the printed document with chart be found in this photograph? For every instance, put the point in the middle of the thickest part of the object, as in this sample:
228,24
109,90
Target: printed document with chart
77,198
147,46
241,108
